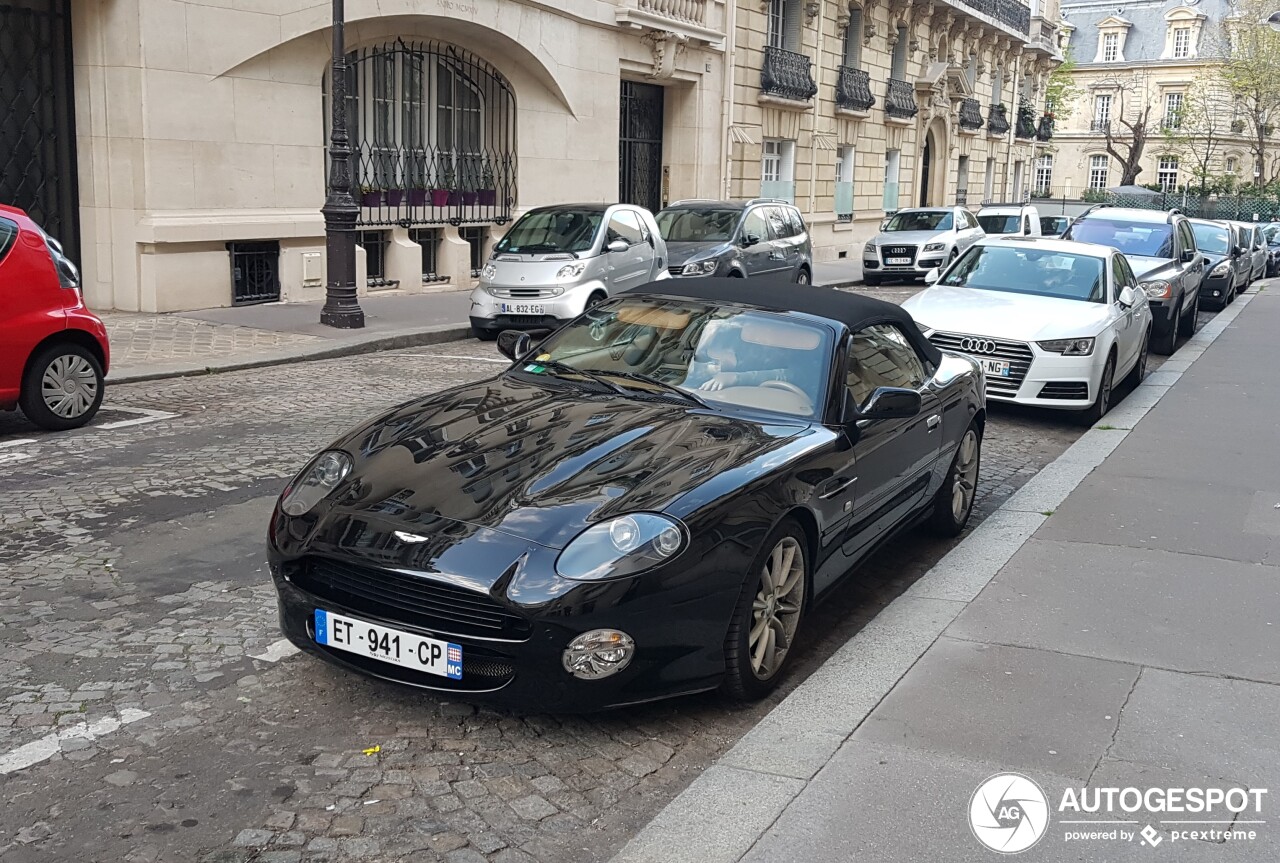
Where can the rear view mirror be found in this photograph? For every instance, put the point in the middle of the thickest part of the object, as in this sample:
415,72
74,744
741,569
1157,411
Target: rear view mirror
618,246
1128,297
513,344
932,276
891,403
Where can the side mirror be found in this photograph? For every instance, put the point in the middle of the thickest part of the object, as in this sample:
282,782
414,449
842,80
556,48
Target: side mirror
891,403
1128,297
513,344
1208,262
618,246
932,276
749,240
1188,255
884,225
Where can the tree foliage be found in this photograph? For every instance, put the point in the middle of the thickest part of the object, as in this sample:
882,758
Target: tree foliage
1131,125
1061,91
1251,72
1196,135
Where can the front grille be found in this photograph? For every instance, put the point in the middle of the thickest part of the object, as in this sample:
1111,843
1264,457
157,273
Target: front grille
417,600
887,252
1065,390
548,321
1017,354
523,293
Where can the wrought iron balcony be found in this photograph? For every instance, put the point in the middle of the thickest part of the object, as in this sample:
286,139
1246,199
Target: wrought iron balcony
787,75
1100,126
1008,12
1025,127
900,100
970,114
853,90
1044,131
997,120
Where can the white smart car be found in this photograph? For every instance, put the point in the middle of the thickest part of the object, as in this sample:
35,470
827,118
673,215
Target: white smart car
1054,323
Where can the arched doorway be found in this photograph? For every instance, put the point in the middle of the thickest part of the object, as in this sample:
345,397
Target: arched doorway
933,166
926,168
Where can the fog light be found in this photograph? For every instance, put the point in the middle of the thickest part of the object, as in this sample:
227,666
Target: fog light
598,654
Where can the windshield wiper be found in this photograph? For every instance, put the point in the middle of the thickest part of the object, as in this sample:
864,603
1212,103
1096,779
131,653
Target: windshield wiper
671,388
589,374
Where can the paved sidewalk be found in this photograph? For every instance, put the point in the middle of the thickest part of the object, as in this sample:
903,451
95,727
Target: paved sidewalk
1115,625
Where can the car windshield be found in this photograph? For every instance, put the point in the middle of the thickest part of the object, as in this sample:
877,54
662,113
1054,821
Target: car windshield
997,224
726,356
1211,238
543,231
920,221
1042,272
1143,239
697,226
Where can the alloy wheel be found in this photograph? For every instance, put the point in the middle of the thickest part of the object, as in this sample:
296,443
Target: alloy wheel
966,478
775,612
69,386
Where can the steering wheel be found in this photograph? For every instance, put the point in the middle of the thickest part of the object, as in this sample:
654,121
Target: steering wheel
789,387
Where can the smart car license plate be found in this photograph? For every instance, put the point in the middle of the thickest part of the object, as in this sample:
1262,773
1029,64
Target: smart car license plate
389,645
996,367
898,261
522,308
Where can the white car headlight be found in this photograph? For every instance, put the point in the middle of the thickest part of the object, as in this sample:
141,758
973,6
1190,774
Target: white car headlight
315,482
1068,347
1158,289
934,247
1221,270
699,268
489,273
570,271
869,247
623,546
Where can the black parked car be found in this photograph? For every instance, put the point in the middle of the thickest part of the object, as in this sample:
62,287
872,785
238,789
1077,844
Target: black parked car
643,505
1161,250
1227,269
1272,234
763,237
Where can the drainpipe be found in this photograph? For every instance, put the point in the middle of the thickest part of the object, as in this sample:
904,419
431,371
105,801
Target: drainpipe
731,39
813,135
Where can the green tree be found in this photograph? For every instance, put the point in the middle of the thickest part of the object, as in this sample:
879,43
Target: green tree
1061,91
1196,132
1251,71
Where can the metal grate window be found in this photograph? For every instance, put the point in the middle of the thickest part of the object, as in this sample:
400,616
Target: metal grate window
374,244
475,236
429,240
255,273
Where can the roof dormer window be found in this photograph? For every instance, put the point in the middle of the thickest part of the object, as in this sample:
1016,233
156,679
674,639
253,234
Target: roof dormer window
1112,32
1182,33
1110,47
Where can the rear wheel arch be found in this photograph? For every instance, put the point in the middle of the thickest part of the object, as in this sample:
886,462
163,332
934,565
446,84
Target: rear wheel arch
71,336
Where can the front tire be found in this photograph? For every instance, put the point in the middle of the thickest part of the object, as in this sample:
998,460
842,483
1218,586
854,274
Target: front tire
485,335
1139,370
62,387
802,277
953,504
767,617
1187,323
1102,402
1167,343
871,281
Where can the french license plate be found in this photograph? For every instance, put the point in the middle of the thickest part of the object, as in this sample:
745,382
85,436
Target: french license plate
389,645
522,308
898,261
996,367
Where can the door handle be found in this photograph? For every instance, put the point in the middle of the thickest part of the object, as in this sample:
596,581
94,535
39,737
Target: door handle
833,487
775,256
933,421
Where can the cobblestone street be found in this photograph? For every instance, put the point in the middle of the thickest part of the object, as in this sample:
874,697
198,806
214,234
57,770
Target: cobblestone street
143,666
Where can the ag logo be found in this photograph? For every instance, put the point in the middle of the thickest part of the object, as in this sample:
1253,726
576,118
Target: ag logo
1008,813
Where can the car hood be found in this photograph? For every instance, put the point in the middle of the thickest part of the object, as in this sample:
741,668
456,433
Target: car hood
541,462
682,253
530,271
1151,268
1020,317
909,238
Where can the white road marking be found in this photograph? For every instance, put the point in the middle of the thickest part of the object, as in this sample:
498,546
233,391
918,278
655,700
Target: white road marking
148,416
18,442
277,651
15,457
49,745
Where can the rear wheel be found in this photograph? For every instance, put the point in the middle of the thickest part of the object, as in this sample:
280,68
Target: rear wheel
1102,403
767,617
953,503
62,388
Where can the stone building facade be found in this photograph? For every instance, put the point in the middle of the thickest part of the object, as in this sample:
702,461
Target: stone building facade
855,109
191,137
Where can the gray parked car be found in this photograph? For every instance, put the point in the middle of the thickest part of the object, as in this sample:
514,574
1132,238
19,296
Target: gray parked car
1253,244
738,239
912,242
556,262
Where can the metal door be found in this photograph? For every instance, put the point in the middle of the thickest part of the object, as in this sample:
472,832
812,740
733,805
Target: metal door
640,145
37,117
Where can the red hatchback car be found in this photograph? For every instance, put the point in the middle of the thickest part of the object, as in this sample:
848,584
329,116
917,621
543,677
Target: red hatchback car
53,350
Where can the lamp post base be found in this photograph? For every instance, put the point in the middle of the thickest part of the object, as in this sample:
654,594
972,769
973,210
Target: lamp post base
343,319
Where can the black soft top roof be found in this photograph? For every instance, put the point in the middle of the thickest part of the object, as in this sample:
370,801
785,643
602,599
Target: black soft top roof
852,310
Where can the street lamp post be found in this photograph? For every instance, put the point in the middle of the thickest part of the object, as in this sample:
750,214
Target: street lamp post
341,308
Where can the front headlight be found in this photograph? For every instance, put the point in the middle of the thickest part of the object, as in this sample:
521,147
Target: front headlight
1221,270
1068,347
314,484
934,247
699,268
489,273
571,271
869,247
1158,289
623,546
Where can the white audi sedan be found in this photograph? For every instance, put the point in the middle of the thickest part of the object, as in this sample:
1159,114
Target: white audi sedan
1054,323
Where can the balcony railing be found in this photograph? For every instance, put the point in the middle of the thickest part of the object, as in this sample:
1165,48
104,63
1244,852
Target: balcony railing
997,120
688,11
853,90
1009,12
786,74
970,114
1100,126
1044,131
1025,127
900,100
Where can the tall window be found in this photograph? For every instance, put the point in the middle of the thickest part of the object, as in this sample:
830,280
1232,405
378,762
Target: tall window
845,159
1173,110
777,169
1233,165
1167,173
989,181
1110,47
853,39
1101,111
1044,175
1181,42
784,24
1098,171
962,180
892,166
898,62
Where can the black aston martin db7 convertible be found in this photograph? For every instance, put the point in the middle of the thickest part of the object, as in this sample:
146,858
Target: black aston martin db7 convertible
643,504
